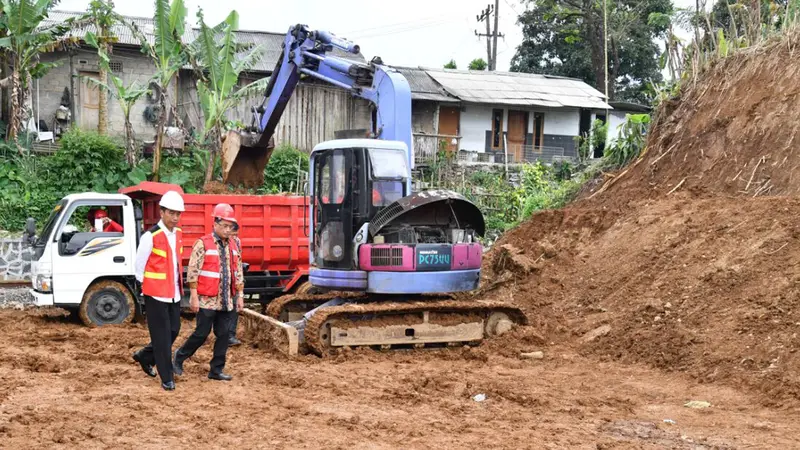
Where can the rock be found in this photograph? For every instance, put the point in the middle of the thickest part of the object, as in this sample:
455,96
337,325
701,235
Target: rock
532,355
596,333
697,404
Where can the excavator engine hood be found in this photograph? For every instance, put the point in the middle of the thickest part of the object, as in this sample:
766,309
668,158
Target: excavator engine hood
434,207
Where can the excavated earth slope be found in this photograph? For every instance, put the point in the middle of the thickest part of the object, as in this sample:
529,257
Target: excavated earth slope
687,260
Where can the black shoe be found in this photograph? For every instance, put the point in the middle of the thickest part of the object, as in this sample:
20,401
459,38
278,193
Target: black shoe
168,386
219,376
177,365
148,369
232,342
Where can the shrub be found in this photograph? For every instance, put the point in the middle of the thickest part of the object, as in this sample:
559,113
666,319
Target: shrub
286,166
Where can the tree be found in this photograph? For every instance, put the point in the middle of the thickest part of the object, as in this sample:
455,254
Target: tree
101,14
126,96
220,62
478,64
451,64
24,40
566,37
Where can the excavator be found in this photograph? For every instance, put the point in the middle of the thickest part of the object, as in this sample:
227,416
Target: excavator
386,264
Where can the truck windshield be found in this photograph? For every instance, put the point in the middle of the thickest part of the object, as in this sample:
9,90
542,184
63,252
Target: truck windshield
51,222
388,163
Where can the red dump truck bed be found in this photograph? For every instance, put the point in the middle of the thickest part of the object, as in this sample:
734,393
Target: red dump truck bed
272,229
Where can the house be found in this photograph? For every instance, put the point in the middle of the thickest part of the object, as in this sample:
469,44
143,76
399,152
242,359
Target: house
315,112
489,115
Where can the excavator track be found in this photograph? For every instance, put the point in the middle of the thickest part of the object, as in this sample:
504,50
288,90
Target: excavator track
417,323
289,307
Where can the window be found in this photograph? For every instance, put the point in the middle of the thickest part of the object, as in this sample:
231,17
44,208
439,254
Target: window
384,193
388,163
85,222
497,129
115,66
332,182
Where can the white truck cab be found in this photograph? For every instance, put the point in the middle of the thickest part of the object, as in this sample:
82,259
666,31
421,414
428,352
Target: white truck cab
86,269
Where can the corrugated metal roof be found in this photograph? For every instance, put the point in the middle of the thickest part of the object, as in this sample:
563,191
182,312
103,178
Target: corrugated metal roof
423,87
519,89
270,41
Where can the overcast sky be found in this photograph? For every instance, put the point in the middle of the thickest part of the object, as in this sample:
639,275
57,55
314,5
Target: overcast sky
424,33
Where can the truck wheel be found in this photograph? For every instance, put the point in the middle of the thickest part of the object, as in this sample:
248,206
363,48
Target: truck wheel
107,303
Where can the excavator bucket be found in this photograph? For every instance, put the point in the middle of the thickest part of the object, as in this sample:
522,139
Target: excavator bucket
267,332
243,160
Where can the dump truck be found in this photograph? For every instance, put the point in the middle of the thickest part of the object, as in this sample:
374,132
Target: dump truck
93,272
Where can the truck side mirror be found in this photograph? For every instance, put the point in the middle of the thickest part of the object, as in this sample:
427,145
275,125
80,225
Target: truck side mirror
29,237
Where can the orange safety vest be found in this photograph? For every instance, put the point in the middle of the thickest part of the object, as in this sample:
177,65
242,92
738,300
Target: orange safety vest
159,278
209,278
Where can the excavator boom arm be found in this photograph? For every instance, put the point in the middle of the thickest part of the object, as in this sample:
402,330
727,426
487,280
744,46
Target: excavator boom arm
304,54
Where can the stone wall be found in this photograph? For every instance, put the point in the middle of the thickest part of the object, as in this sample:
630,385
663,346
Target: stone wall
15,260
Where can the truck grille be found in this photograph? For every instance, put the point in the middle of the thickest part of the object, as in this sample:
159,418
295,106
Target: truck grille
386,256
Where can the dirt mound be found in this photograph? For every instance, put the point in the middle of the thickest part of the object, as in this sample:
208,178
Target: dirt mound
215,187
735,132
688,261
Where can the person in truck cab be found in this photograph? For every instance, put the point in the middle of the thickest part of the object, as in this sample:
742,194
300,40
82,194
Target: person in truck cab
109,226
216,282
159,268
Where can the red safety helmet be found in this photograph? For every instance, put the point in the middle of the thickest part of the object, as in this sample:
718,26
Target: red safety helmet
224,211
100,214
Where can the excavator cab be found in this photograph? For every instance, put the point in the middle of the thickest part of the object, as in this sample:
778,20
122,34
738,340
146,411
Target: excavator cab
370,234
352,181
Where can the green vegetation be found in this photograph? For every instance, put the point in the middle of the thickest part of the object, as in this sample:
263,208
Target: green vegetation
286,170
506,204
30,185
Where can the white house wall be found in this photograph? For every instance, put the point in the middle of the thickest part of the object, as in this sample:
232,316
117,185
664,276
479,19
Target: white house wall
560,126
616,119
560,122
475,120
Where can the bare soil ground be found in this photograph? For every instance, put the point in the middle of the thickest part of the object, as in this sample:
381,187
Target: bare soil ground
65,385
672,281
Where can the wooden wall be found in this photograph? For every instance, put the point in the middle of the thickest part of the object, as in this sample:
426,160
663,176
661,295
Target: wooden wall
312,116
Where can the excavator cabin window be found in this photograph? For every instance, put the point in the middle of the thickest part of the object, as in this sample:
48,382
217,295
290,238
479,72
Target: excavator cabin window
333,178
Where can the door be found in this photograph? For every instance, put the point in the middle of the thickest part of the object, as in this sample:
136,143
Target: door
333,209
517,129
90,101
538,132
449,120
82,255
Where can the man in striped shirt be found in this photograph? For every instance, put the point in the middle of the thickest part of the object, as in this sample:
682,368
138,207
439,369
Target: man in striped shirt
216,283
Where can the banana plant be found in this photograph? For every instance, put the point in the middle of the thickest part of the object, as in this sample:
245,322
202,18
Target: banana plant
24,40
220,60
168,55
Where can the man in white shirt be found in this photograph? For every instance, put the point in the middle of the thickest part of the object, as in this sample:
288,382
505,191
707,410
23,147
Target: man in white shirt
159,268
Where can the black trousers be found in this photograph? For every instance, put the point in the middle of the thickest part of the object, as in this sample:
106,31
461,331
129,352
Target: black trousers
164,323
234,324
207,319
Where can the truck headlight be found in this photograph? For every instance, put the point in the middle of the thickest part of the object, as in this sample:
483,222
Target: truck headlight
43,283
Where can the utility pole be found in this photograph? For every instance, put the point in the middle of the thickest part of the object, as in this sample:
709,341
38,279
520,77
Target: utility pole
494,52
484,17
491,36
